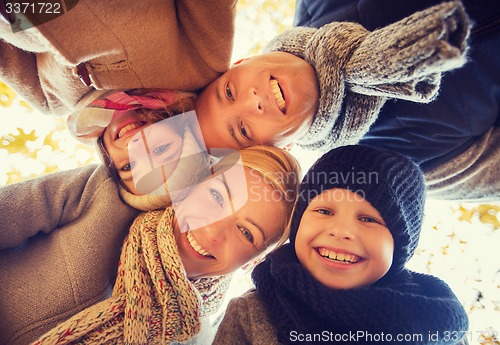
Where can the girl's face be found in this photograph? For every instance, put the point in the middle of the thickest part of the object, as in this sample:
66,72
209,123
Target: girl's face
144,155
268,99
343,241
231,217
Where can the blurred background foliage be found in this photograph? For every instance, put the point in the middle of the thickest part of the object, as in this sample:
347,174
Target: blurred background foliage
459,241
33,144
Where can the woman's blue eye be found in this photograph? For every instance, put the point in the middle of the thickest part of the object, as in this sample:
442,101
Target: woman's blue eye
161,149
229,93
127,167
248,235
217,197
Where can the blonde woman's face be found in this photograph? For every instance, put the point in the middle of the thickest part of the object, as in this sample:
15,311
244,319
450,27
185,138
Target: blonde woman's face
227,222
268,99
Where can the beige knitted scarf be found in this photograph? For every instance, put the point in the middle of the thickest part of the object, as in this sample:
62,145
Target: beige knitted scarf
152,302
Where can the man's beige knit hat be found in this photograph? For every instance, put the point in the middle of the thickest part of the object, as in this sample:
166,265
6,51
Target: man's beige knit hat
359,70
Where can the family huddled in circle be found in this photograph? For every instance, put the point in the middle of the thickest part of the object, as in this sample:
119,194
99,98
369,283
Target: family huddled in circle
196,181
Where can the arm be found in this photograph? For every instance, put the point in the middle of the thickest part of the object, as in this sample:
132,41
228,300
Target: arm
470,176
209,26
372,14
19,70
44,204
231,329
246,322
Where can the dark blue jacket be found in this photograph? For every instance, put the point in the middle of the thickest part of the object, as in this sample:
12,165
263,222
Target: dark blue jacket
469,100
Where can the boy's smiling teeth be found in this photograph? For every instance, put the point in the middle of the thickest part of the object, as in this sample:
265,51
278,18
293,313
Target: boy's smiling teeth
278,95
342,257
196,246
129,127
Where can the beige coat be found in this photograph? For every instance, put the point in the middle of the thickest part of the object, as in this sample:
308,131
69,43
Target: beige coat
46,278
180,45
246,322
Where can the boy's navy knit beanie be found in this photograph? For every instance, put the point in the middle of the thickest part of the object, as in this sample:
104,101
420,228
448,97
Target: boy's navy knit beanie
392,184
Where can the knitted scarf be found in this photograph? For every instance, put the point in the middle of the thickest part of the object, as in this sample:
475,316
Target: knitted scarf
410,303
152,302
358,70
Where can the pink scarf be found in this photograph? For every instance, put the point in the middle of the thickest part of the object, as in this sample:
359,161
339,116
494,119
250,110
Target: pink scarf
95,111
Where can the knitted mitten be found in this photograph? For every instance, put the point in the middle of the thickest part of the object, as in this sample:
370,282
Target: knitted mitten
358,70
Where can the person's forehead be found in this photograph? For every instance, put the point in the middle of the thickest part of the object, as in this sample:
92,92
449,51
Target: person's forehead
236,178
271,58
244,182
241,179
277,131
261,196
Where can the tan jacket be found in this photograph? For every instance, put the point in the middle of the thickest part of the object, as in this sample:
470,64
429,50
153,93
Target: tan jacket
179,45
60,242
246,322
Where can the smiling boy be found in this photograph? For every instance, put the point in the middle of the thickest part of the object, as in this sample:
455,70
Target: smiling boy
343,240
343,271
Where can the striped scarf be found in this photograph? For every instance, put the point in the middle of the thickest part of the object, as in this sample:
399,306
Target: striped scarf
153,301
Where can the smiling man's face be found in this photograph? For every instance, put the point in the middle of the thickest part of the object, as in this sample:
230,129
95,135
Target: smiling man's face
269,99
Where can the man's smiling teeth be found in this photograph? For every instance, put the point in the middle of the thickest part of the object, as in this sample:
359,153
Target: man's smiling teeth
196,246
342,257
278,96
129,127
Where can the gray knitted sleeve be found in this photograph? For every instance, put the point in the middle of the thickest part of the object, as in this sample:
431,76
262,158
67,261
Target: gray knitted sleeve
358,70
407,57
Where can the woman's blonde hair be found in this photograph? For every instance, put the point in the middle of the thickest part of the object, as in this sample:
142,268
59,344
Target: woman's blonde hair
279,169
